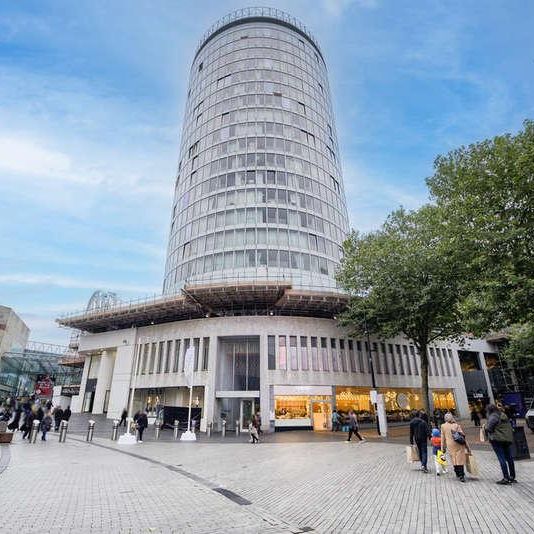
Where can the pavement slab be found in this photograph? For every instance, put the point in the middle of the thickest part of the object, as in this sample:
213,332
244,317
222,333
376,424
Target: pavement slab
281,486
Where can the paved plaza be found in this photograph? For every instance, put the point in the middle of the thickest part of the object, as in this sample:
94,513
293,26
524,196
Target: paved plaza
287,485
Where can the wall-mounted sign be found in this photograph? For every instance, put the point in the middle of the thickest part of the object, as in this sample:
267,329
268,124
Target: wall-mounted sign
69,391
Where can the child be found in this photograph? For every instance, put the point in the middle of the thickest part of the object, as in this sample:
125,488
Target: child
439,457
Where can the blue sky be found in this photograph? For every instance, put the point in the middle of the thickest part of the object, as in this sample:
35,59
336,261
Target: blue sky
91,99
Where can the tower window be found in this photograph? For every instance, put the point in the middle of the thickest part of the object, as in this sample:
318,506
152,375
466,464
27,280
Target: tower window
201,66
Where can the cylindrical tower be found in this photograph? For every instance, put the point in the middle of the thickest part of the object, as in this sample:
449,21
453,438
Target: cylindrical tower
259,193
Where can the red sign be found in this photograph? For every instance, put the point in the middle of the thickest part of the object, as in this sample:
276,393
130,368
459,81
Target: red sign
44,386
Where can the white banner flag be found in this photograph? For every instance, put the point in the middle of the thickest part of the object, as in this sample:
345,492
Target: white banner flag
189,365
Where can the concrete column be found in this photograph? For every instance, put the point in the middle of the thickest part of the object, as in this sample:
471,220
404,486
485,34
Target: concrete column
104,380
208,412
482,361
264,385
77,403
122,373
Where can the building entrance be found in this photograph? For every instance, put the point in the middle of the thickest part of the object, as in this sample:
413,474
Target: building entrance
248,408
321,415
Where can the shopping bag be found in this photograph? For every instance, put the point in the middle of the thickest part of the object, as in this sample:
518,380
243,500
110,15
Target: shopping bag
482,436
411,454
472,465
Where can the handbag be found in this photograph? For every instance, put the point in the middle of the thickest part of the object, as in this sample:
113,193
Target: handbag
458,436
472,465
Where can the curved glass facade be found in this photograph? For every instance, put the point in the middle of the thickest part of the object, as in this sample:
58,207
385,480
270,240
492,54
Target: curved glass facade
259,193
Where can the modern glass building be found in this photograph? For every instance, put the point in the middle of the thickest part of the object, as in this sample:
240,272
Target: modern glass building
257,224
259,191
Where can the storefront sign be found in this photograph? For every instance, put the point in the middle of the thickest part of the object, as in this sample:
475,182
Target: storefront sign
69,391
303,390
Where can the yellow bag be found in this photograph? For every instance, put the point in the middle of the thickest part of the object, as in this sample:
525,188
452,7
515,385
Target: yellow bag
412,455
472,465
442,460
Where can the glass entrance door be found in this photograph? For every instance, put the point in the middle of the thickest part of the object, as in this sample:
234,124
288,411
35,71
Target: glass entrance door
321,416
247,411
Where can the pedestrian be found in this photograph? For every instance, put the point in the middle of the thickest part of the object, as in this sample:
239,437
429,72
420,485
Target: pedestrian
46,425
49,405
67,413
509,411
453,441
14,424
28,423
39,414
253,430
336,421
258,425
435,441
58,416
142,423
424,416
501,436
475,417
419,434
353,426
124,416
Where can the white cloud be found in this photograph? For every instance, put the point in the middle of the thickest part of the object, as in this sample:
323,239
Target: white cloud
73,283
27,157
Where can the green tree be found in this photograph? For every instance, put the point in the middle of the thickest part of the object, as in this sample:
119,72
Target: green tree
404,278
485,197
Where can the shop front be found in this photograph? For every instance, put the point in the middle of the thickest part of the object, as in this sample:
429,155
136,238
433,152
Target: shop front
399,402
303,407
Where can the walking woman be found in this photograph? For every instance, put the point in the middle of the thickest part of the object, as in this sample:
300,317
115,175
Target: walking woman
501,437
453,440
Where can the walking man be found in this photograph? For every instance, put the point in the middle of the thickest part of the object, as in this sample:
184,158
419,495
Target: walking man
419,434
353,426
142,423
124,416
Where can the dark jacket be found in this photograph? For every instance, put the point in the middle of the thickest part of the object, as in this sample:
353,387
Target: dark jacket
46,423
142,421
58,414
66,414
419,430
499,428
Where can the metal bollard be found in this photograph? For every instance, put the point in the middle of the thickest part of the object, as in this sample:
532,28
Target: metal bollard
223,428
237,428
115,430
157,428
175,428
90,430
35,430
63,427
208,430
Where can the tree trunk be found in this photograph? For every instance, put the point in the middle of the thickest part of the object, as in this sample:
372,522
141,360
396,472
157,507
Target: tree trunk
423,354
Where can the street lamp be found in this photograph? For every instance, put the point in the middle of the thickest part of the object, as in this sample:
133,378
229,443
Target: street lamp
371,366
128,438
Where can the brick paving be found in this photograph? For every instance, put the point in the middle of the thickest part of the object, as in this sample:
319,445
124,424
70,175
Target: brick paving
292,485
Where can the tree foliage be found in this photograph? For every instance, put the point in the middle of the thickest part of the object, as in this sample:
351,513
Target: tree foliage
404,278
485,197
